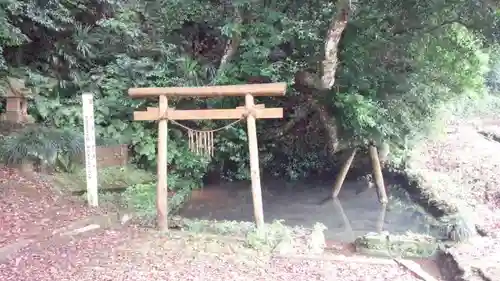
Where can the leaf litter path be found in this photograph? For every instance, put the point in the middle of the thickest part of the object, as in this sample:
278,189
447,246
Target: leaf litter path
33,247
468,158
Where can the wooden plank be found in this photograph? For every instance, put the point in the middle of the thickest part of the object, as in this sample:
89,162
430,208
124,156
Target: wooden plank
253,148
162,185
207,114
258,90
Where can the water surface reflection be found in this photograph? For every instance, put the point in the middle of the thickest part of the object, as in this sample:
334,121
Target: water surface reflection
351,216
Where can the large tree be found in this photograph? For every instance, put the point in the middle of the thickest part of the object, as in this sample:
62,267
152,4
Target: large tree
358,71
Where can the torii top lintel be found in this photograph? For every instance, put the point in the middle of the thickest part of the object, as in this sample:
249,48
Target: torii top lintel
258,90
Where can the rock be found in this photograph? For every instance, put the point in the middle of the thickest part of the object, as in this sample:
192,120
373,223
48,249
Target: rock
475,260
284,247
125,218
81,229
384,244
450,268
317,241
491,273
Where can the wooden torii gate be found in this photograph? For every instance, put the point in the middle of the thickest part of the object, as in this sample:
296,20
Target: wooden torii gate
250,111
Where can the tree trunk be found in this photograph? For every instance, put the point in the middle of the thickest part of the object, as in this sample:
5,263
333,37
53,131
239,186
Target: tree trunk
234,42
328,69
337,27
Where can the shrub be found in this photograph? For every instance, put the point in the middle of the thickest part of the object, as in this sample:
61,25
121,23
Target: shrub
43,145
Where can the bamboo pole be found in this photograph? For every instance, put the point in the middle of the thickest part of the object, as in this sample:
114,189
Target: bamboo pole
377,174
343,173
161,188
254,162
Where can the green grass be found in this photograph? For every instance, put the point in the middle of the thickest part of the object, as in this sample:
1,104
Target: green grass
108,178
126,188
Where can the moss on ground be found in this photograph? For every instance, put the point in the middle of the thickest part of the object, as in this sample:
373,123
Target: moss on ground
108,178
275,237
113,183
434,192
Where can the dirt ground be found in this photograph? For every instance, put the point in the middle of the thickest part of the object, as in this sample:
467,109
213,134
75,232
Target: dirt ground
37,244
463,166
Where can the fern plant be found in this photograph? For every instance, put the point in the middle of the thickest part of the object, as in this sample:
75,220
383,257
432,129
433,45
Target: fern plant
46,146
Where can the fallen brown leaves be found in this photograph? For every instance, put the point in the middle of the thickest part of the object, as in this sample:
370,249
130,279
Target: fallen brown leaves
470,160
30,209
31,214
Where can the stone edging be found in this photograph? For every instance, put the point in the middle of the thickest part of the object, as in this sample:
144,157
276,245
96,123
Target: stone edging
414,184
421,193
451,269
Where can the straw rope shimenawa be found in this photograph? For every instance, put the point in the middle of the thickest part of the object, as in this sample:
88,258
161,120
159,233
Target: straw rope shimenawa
201,142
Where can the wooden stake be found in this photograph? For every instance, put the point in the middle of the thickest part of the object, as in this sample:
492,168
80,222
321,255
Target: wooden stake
343,173
254,164
377,174
161,188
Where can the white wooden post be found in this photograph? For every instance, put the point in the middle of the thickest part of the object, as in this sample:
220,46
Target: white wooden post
90,154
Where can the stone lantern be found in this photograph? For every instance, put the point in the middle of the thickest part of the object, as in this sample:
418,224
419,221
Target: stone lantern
16,101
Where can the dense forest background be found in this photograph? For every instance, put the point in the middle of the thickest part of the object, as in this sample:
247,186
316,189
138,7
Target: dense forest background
397,68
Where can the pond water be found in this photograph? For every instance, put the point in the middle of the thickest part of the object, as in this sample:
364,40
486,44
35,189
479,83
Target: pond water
356,212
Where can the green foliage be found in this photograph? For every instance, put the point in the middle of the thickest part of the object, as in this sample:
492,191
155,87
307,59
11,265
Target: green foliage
142,197
109,178
269,237
47,146
493,76
232,153
273,237
399,104
230,228
400,63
